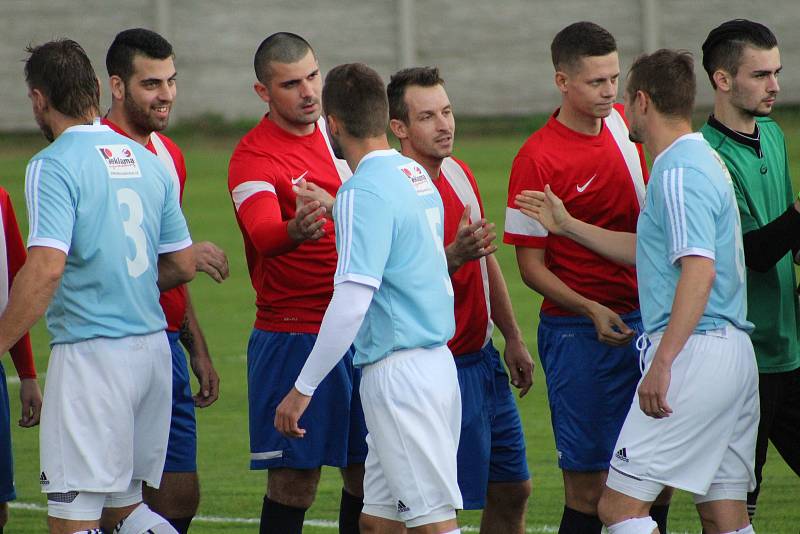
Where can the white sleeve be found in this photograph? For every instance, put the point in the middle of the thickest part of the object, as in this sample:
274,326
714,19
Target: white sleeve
339,327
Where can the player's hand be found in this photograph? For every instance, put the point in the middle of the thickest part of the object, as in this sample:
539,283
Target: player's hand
472,241
309,191
519,364
545,207
207,378
30,397
653,390
288,414
611,329
211,259
309,219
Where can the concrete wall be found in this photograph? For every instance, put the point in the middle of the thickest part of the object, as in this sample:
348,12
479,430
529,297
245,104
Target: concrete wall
494,55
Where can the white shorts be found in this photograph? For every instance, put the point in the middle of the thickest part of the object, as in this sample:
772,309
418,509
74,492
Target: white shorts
707,445
412,406
106,414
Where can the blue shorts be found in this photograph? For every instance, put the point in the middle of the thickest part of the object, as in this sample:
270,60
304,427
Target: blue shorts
7,492
492,444
334,421
590,386
182,445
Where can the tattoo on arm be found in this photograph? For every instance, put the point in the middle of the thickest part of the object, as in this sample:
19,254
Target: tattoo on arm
187,337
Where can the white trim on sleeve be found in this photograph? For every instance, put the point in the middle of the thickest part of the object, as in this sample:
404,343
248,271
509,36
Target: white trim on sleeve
520,224
166,248
692,251
357,278
246,190
49,243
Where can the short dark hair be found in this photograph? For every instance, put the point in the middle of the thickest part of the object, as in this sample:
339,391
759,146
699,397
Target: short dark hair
128,43
579,40
401,80
283,47
723,47
355,95
62,71
667,77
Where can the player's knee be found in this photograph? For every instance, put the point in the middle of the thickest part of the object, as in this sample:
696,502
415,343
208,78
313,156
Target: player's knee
3,514
293,487
512,496
143,520
353,479
635,525
606,511
178,496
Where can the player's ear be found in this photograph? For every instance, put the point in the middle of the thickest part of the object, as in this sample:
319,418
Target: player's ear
39,100
561,79
399,128
642,101
262,92
117,87
332,125
722,79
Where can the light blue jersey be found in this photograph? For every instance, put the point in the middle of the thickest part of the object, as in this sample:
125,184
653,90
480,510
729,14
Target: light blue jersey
389,219
110,205
690,210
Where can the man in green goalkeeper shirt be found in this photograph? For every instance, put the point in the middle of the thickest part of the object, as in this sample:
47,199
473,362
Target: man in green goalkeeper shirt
743,62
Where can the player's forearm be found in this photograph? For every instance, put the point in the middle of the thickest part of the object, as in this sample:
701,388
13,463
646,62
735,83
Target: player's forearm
691,297
22,356
339,327
191,335
271,238
30,295
619,247
538,277
500,301
763,248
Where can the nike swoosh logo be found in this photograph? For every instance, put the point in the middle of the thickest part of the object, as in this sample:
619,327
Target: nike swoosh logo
582,188
295,180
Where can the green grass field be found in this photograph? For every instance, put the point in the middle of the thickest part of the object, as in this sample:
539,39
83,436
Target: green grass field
232,494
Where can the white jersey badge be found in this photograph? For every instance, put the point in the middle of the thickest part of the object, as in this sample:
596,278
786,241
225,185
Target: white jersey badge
120,161
418,178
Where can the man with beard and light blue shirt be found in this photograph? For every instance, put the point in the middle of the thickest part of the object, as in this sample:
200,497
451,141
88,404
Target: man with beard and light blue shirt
105,235
693,425
393,296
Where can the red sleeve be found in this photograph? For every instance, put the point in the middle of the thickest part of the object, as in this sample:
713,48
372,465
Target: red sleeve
21,353
520,229
260,216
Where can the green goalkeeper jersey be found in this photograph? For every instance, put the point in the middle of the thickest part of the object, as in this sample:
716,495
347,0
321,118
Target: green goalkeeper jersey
758,165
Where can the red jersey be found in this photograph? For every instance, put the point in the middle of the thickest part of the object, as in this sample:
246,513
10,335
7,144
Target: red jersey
457,187
12,257
293,283
601,180
172,301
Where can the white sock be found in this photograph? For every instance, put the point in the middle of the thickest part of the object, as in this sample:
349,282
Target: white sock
635,525
142,520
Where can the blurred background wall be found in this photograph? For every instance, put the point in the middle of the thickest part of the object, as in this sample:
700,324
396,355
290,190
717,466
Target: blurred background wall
494,55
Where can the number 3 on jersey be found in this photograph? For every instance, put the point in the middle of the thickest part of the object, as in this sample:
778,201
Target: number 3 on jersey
133,229
434,222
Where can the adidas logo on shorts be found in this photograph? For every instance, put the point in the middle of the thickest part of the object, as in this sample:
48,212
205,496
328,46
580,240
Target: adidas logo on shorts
402,508
43,479
622,454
